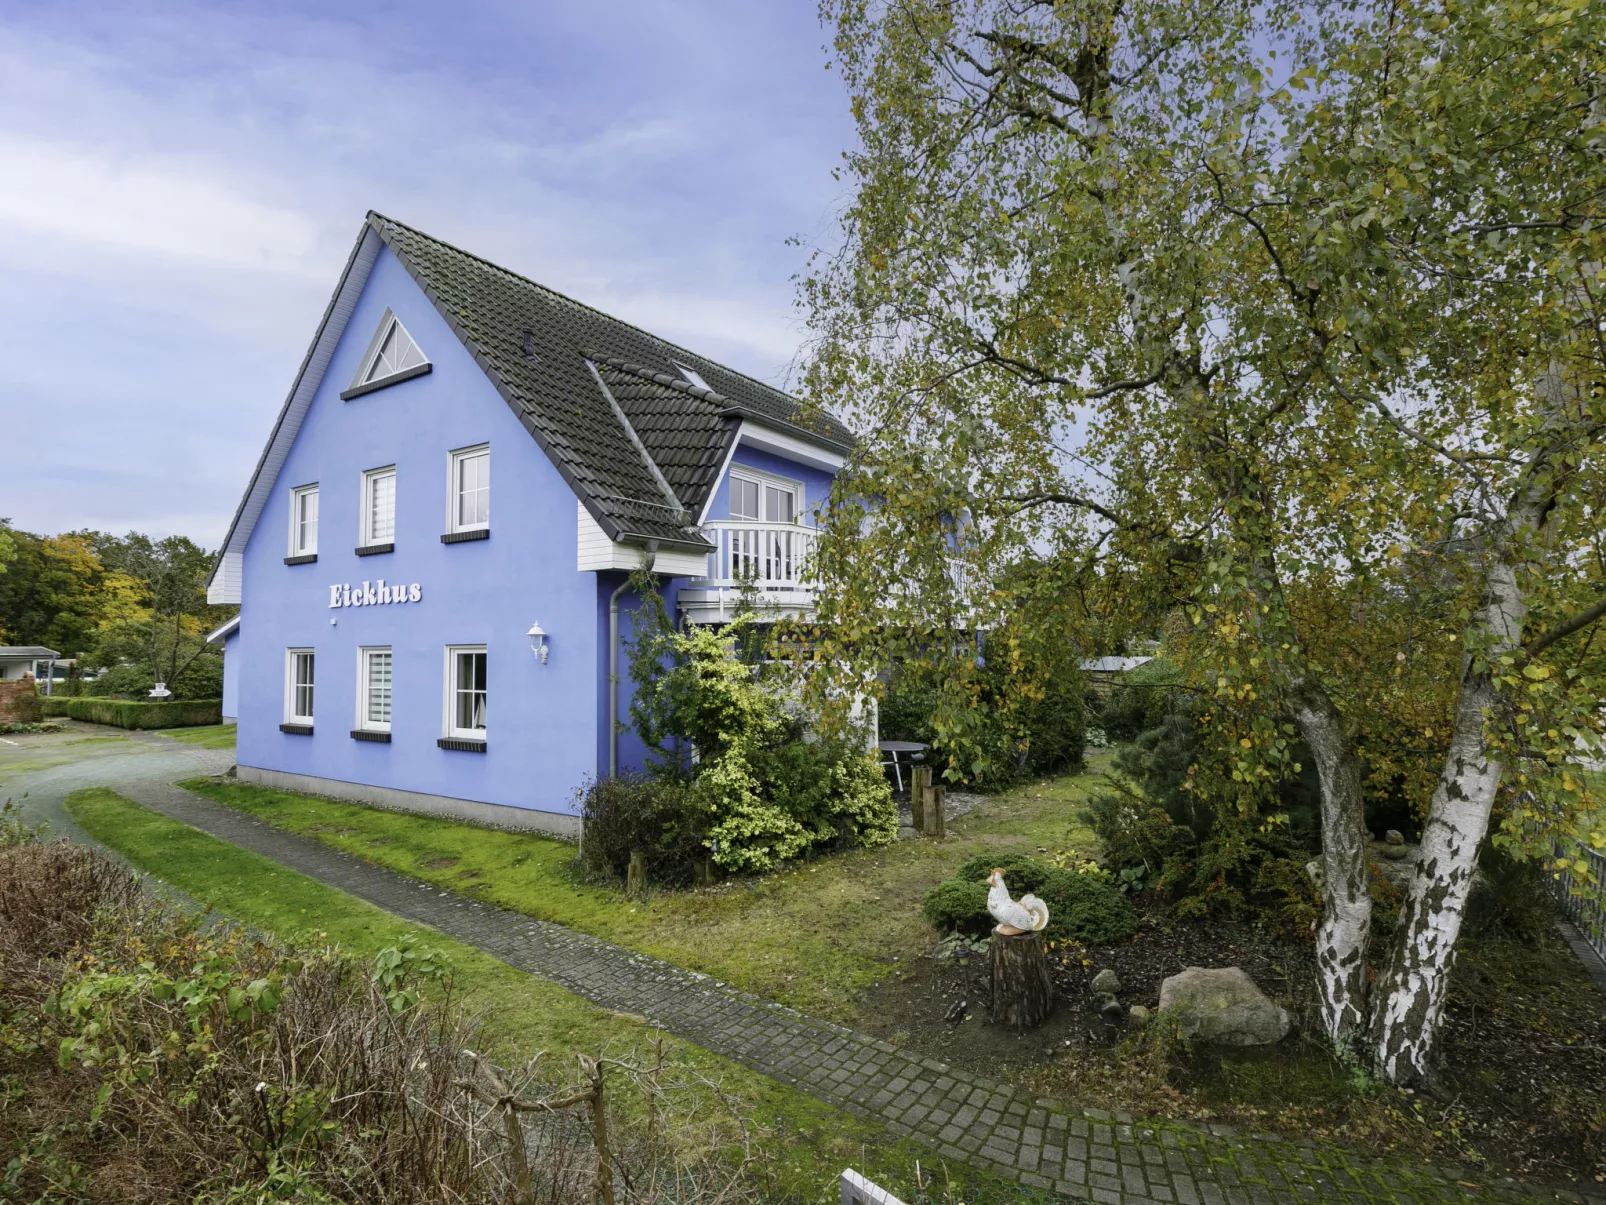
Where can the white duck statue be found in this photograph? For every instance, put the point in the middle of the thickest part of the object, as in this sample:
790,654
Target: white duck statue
1025,915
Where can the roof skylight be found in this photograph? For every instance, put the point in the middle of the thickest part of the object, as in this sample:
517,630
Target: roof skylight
692,376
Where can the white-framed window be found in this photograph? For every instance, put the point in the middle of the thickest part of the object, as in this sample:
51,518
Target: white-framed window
765,498
304,520
373,689
300,667
391,352
465,691
469,489
379,506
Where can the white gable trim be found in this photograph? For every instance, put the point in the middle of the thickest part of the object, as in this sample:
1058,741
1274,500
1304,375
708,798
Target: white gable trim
783,443
225,584
223,632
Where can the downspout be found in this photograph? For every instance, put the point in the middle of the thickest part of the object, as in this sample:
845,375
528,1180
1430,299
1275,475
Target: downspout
649,558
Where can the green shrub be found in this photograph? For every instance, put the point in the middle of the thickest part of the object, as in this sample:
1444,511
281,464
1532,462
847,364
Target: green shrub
1142,701
958,906
762,792
630,813
128,713
1080,906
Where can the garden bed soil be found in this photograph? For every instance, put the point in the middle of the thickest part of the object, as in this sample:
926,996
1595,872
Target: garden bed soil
1523,1049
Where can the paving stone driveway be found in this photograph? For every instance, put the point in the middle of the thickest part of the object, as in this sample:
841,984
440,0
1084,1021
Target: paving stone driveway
1086,1155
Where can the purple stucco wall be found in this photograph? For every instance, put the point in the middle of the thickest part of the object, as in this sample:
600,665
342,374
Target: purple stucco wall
541,738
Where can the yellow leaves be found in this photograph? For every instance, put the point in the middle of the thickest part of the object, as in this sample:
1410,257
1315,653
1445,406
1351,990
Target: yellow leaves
1246,742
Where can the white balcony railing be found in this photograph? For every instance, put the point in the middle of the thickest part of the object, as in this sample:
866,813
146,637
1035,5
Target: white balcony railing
771,558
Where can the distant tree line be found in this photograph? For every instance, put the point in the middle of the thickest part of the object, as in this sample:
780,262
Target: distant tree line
132,606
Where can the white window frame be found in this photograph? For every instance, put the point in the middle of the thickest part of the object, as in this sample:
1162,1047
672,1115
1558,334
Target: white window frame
370,477
291,715
453,461
376,345
449,680
363,654
742,472
296,495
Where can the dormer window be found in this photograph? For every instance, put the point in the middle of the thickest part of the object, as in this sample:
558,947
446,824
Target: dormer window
392,357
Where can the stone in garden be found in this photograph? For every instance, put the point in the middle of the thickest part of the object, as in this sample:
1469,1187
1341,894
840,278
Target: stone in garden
1223,1005
1139,1015
1394,837
1105,983
1394,853
1109,1008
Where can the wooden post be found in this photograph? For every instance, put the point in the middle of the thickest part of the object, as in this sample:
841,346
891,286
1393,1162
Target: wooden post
702,872
919,785
937,812
602,1181
636,876
1022,987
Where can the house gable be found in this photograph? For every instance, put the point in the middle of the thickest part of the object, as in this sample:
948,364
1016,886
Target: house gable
641,447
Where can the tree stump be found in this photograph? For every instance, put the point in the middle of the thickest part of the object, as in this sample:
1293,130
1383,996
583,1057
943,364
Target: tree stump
1022,987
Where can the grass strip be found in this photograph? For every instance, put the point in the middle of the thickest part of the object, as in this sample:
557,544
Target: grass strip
812,935
808,1142
212,736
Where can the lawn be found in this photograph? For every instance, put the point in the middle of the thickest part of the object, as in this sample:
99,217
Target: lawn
213,736
813,936
805,1145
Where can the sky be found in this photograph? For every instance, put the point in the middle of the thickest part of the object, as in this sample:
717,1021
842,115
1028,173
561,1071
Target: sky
180,186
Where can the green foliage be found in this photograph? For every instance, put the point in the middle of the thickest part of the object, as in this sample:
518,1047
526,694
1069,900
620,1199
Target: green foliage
399,972
1010,736
958,906
1081,906
761,791
654,816
124,713
1142,701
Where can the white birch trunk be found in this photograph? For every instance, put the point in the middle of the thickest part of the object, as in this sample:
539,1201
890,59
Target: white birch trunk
1411,991
1412,988
1346,924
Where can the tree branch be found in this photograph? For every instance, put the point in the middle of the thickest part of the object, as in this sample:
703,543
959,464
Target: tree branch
1564,629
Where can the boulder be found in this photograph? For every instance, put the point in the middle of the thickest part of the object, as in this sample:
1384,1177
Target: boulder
1105,983
1394,853
1109,1008
1138,1015
1394,837
1223,1005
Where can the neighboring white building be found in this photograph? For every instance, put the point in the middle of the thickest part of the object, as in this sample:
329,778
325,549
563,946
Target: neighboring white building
27,660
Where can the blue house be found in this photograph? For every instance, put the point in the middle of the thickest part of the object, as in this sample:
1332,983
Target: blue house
432,557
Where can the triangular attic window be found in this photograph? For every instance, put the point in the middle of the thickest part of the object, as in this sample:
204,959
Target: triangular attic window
393,352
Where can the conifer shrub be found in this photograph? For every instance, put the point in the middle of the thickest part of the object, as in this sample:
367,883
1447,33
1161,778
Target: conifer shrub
1081,906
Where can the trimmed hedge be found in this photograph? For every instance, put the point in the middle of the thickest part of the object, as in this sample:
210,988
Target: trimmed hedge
133,713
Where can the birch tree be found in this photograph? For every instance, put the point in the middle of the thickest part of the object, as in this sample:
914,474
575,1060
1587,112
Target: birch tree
1193,295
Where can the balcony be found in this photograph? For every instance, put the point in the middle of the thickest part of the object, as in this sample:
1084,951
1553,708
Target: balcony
767,560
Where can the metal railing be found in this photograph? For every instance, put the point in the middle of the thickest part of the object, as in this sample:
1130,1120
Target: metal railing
772,556
1587,908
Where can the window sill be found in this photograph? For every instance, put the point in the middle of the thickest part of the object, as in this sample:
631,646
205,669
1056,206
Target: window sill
296,729
306,558
362,734
394,379
375,549
463,537
461,745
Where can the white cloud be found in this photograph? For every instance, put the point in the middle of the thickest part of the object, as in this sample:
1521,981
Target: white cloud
137,203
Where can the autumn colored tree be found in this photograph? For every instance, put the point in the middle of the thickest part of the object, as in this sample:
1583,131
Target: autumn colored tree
1245,307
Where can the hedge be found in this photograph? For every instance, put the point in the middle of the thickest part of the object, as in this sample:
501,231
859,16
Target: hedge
133,713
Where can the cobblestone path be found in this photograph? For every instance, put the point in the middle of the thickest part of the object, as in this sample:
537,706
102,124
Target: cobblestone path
1086,1155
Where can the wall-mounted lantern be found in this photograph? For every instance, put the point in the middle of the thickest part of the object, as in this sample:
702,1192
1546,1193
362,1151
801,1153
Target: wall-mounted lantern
537,642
